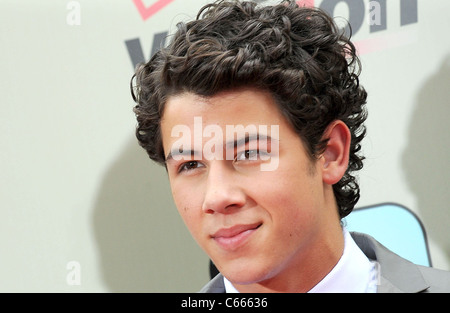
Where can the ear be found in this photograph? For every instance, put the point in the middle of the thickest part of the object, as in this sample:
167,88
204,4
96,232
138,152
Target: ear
336,155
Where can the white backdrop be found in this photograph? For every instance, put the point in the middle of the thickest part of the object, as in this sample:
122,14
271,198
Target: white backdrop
82,207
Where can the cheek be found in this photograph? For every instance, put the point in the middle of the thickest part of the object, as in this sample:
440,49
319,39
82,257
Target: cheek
188,204
293,203
291,216
294,224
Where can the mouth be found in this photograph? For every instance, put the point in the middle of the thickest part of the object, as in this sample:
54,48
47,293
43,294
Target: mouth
234,237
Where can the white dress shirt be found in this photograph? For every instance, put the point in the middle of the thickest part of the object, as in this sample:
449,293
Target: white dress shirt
354,273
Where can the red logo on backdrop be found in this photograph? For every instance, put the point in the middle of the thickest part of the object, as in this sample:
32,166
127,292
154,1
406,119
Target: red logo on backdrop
148,11
306,3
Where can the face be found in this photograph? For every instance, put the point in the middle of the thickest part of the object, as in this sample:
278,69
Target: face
254,224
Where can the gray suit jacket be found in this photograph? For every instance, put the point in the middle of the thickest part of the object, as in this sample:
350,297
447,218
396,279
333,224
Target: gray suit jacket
396,273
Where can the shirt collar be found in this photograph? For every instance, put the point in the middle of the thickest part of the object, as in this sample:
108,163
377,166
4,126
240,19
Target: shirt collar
229,288
354,273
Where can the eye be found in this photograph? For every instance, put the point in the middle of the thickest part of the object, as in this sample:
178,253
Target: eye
247,155
189,166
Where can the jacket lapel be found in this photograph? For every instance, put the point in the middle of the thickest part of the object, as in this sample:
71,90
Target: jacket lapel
215,285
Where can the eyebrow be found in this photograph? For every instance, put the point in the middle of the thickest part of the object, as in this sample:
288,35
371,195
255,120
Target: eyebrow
232,144
182,153
243,141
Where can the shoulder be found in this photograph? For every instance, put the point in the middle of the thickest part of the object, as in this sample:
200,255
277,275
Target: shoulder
438,280
398,274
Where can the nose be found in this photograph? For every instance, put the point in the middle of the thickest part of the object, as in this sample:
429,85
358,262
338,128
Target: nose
223,192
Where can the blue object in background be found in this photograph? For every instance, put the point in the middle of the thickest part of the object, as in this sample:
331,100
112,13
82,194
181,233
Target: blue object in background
394,226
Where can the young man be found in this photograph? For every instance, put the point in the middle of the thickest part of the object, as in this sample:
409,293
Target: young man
257,114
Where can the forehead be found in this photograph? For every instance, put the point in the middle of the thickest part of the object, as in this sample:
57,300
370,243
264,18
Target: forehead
246,106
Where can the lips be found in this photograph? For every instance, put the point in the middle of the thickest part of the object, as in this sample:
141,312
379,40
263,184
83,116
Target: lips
234,237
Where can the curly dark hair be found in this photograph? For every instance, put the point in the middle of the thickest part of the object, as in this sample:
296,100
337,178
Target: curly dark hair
297,53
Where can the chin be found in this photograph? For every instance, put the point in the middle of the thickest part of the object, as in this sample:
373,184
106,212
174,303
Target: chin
245,273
